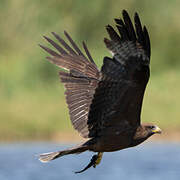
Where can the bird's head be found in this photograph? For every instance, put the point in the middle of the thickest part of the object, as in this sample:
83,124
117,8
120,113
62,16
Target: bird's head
144,131
152,129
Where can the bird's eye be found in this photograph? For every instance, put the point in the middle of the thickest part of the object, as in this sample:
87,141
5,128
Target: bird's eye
151,127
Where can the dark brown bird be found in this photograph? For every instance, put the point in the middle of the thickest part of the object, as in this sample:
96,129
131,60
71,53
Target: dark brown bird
105,105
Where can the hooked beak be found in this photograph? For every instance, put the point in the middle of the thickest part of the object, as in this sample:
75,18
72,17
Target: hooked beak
157,130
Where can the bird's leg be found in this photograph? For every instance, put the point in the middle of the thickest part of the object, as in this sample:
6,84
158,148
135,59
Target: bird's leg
95,160
98,160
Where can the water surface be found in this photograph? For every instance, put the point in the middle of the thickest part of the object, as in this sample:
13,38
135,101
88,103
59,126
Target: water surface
157,161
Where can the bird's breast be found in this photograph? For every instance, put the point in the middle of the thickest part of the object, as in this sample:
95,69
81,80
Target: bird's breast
113,141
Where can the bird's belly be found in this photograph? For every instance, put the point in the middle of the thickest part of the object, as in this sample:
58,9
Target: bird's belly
112,143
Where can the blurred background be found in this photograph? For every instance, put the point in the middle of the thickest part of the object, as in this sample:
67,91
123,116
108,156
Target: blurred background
32,102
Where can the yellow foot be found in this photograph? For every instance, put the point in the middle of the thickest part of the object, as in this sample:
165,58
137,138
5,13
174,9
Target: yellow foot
98,160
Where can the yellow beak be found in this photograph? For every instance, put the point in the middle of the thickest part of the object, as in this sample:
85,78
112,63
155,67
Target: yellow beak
157,130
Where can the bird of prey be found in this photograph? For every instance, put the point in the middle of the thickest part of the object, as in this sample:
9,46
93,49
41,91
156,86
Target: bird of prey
105,105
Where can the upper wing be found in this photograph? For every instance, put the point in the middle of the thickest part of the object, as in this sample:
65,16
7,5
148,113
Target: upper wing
118,98
80,79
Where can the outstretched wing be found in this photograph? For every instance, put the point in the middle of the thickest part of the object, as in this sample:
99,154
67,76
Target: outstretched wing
80,79
118,98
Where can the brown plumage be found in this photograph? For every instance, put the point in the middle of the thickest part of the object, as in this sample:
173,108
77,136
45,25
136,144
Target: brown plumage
105,105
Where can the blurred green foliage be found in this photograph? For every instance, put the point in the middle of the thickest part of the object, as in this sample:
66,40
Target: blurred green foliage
32,102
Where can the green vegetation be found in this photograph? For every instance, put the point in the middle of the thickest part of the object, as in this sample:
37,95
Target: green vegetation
32,102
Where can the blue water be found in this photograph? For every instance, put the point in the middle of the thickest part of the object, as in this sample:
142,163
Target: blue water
147,162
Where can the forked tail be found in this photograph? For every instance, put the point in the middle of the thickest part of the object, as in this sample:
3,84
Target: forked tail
46,157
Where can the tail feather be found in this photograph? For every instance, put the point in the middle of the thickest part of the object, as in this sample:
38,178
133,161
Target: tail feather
46,157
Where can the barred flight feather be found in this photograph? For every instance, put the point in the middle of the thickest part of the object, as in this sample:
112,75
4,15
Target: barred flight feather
80,79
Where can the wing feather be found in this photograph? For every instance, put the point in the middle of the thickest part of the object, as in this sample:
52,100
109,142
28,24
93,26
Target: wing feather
88,54
65,45
80,78
118,98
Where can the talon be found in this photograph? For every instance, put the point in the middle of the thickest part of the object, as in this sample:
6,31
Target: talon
95,160
99,158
